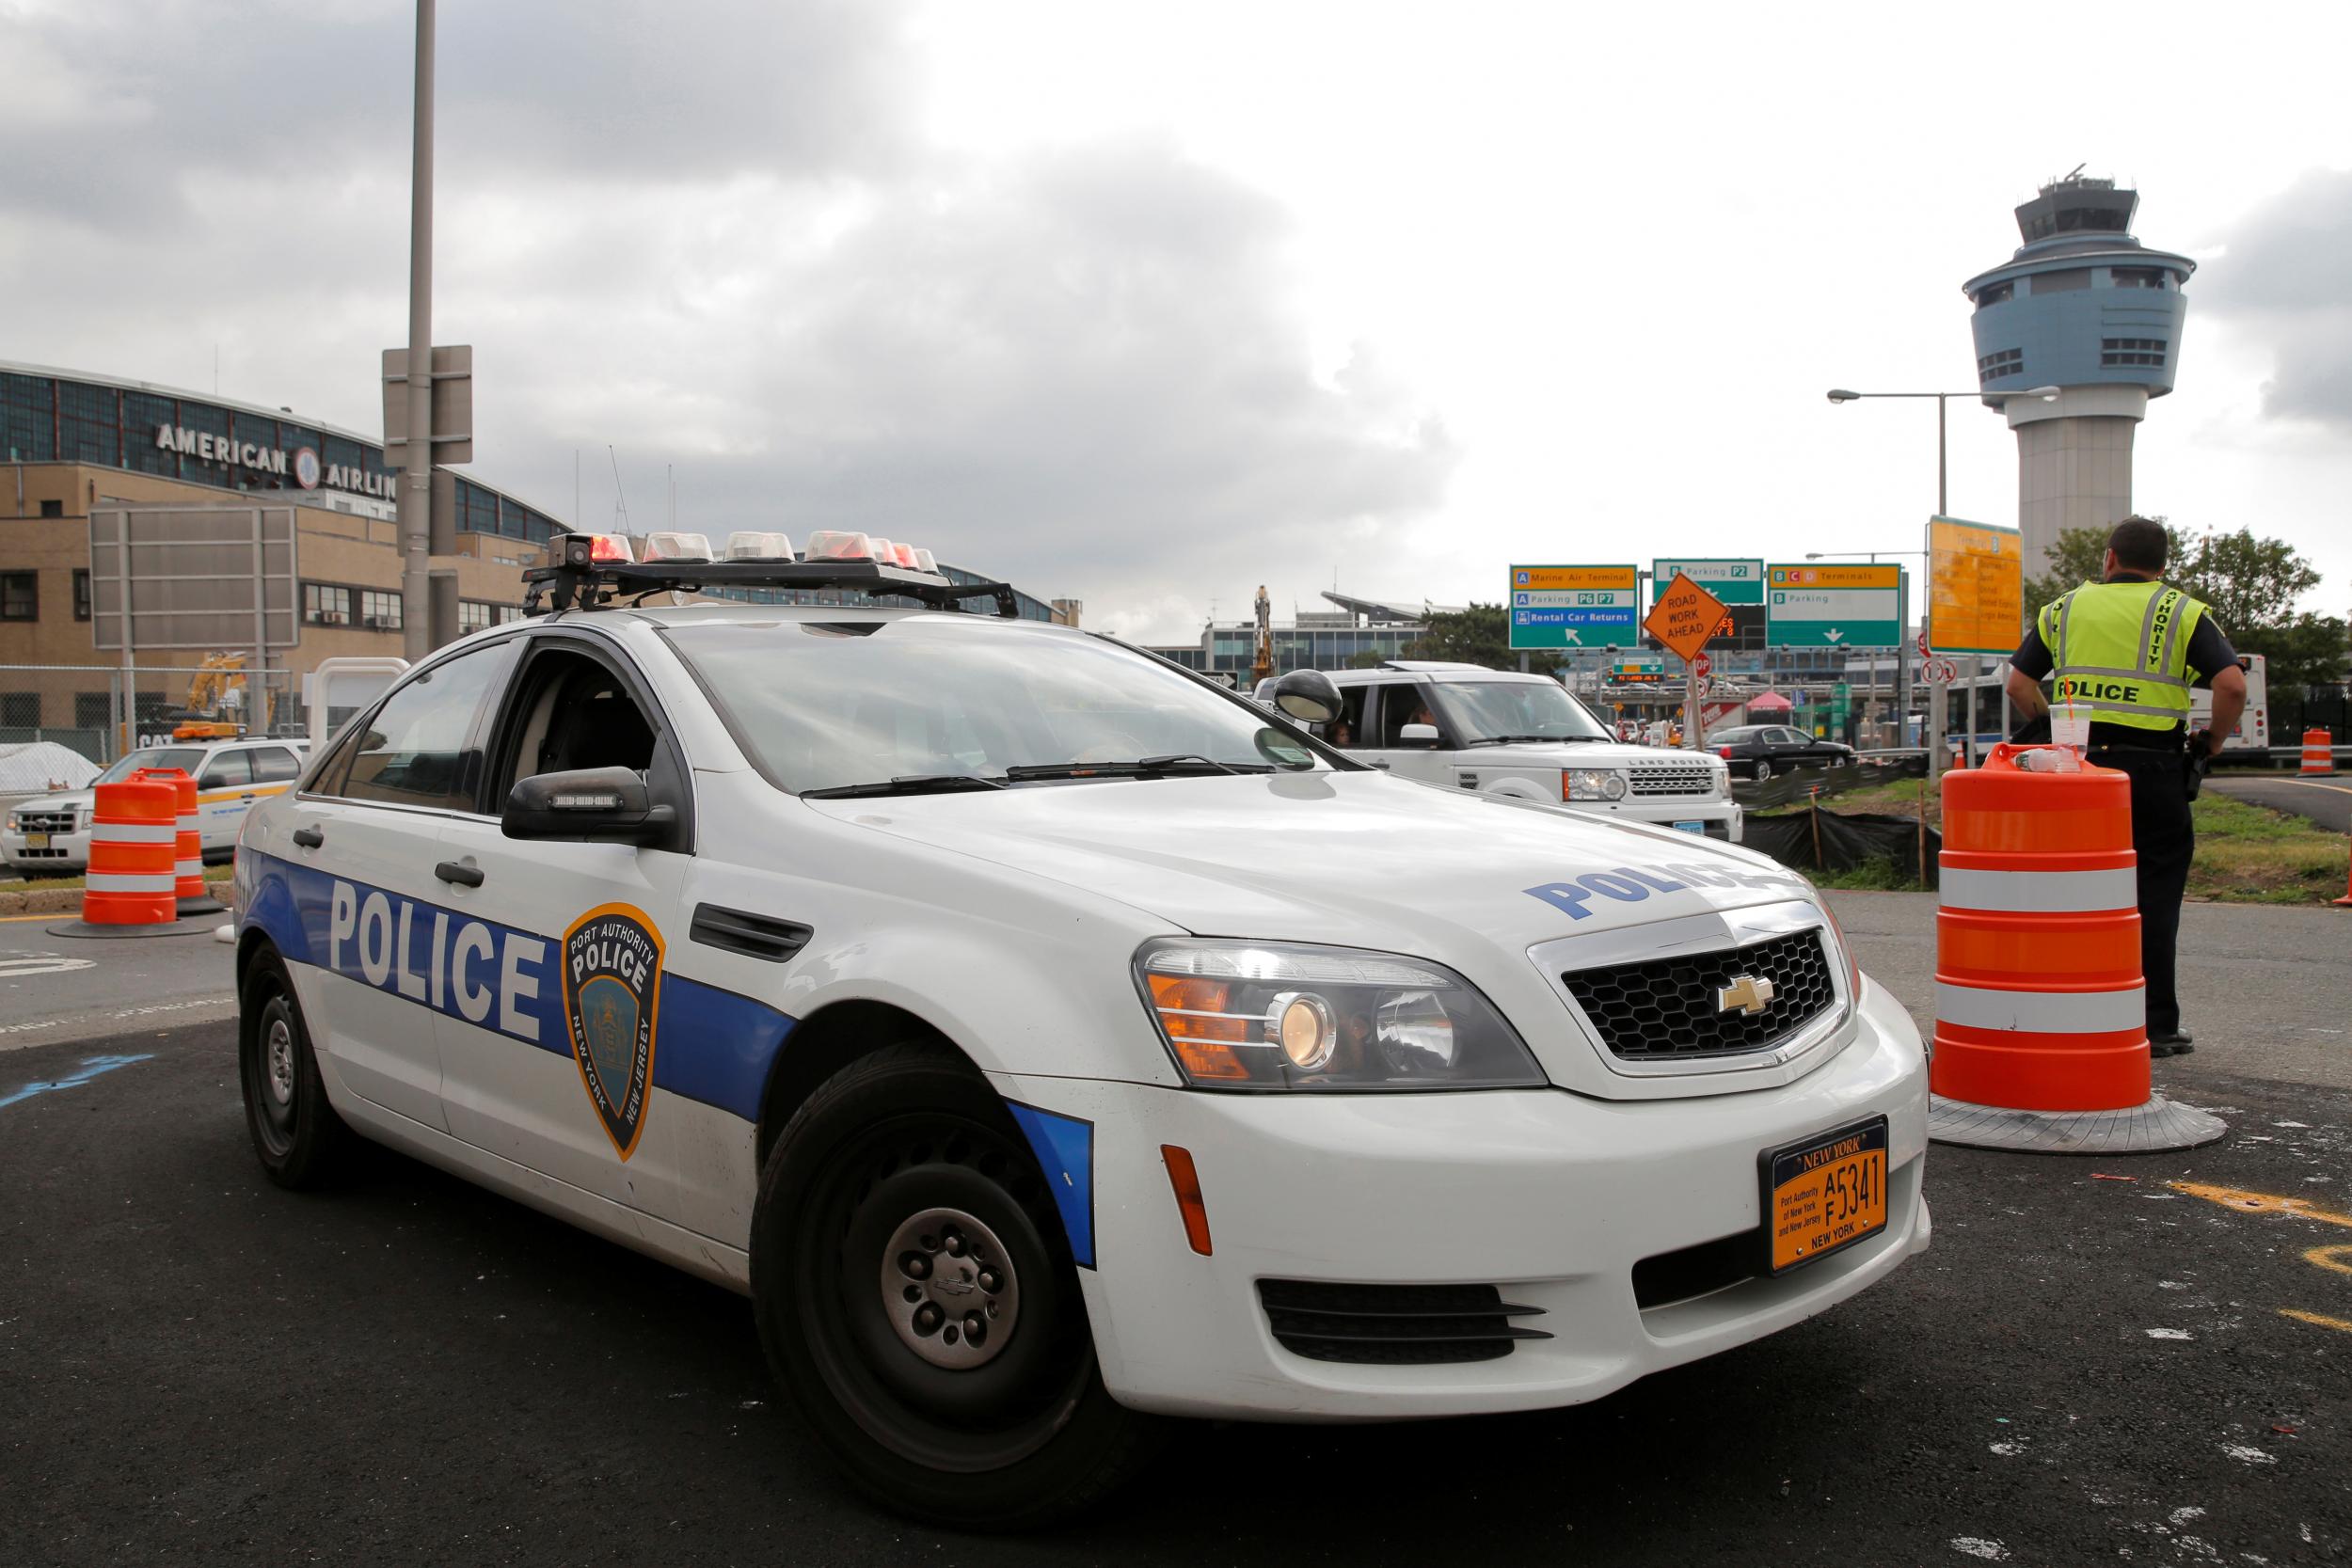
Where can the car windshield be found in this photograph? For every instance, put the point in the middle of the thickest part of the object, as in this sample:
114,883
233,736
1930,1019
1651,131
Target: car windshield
1515,710
938,701
185,758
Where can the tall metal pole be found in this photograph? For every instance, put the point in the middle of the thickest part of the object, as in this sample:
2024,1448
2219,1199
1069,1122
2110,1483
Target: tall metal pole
1927,599
415,456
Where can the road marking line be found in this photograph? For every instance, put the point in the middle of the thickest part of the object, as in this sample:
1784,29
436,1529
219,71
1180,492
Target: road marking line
2320,1318
2337,1259
91,1067
2260,1203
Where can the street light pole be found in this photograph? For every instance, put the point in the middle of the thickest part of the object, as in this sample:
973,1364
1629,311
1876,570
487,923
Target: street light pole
1943,509
416,453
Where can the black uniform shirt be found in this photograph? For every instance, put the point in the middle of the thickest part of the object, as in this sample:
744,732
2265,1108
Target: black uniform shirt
2208,650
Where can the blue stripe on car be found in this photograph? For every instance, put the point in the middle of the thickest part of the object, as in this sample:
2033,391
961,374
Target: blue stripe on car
1064,1145
710,1045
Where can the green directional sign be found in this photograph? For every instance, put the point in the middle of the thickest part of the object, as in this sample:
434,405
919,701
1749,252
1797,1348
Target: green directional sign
1813,606
1732,579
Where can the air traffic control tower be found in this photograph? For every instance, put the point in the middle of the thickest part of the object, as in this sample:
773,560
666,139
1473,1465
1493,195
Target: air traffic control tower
2084,307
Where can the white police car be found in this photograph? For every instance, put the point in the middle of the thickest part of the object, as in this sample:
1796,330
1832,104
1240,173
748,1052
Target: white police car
1048,1041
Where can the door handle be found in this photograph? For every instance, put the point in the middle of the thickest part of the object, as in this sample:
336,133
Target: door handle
1382,765
308,838
246,796
459,872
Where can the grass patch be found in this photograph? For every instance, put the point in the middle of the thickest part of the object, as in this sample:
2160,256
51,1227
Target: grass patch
1880,874
2249,854
30,884
2246,853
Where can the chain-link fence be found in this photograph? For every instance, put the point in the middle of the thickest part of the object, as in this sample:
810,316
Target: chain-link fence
102,710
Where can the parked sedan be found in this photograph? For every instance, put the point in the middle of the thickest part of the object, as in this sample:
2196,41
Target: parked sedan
1760,751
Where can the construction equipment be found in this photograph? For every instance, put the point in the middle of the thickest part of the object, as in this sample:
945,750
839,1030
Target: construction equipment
1262,661
221,702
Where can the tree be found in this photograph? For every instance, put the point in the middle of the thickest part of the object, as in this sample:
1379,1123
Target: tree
1479,635
2251,584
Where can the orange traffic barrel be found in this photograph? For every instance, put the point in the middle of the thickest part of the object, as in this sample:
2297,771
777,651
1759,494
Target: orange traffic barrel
134,842
2319,752
2041,1032
188,890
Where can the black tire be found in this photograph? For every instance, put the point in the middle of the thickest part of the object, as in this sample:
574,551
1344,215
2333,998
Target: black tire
1763,769
1025,1437
296,1135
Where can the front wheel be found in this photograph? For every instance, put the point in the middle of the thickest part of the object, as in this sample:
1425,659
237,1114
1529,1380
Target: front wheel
916,1297
297,1133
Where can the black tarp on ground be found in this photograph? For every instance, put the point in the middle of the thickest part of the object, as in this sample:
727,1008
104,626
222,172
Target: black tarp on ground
1818,840
1783,789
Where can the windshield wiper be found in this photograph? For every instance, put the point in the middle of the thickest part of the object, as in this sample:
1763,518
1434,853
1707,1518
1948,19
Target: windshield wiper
905,784
1145,767
1547,739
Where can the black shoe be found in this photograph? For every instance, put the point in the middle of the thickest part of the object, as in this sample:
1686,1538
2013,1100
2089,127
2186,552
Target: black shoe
2178,1043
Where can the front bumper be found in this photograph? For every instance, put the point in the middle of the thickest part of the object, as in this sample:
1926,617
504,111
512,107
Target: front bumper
64,854
1551,1195
1719,816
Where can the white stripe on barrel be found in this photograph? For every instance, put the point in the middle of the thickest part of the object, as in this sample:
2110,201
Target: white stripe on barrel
2042,1012
2054,891
135,832
127,881
189,868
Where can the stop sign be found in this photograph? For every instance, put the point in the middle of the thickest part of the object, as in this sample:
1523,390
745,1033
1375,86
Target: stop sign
1703,666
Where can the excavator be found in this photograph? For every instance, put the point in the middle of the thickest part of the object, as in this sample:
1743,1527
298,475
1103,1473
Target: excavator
220,705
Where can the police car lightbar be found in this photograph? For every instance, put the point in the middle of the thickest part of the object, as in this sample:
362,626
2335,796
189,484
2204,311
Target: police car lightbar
584,572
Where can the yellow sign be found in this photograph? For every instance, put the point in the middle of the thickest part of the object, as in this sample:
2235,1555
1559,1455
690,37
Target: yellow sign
1976,587
1685,616
1573,576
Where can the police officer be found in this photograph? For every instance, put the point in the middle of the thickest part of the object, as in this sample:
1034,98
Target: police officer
2130,648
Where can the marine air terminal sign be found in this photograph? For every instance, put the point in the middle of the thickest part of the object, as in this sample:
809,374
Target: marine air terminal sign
1813,606
1574,606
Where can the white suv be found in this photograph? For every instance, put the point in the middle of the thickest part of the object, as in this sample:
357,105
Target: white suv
1503,733
50,833
1046,1040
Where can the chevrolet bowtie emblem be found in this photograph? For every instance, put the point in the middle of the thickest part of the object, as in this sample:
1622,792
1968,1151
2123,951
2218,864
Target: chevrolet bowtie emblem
1747,993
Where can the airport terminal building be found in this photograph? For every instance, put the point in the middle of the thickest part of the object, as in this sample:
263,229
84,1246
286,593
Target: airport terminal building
71,441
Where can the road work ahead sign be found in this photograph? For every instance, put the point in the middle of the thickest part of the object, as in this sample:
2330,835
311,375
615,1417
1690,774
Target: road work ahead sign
1685,616
1573,606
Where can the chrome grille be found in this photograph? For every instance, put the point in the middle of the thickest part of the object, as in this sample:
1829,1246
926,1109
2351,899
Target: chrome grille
1667,1010
1673,781
47,821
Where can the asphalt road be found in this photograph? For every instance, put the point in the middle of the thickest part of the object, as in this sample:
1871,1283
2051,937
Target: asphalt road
2325,801
61,988
201,1369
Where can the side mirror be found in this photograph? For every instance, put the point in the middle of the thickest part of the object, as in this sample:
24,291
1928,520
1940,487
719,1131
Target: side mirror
1309,696
213,781
1418,734
606,805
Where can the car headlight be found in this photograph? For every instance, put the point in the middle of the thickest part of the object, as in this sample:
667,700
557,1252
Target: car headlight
1274,1015
16,824
1592,784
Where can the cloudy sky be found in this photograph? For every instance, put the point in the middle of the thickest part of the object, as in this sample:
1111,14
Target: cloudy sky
1146,303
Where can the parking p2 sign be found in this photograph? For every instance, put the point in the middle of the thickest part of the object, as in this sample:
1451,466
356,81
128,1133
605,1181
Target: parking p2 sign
1573,606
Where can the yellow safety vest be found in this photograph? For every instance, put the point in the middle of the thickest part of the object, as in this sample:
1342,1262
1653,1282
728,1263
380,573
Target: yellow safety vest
2122,649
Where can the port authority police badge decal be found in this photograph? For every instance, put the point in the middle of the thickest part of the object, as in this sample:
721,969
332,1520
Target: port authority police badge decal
611,996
